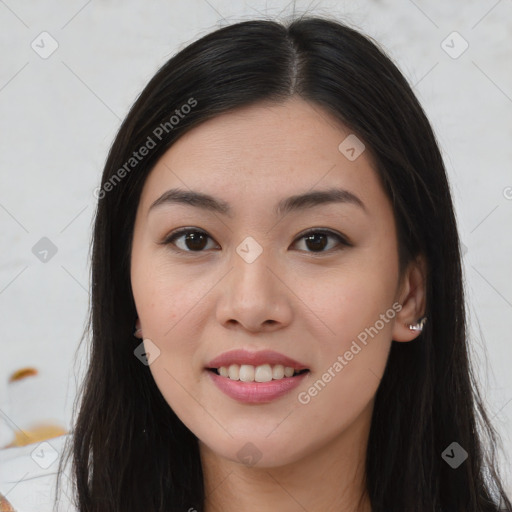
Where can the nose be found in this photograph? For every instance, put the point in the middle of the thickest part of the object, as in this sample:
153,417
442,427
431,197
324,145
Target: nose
255,297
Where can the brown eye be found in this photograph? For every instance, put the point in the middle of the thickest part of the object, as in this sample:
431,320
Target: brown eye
193,240
317,240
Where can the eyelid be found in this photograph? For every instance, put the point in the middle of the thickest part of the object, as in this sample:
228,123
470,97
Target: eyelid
342,239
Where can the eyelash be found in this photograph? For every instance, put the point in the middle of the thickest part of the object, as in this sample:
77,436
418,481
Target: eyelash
343,242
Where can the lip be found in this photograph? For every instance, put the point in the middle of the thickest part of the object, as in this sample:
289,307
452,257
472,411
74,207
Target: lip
256,392
241,356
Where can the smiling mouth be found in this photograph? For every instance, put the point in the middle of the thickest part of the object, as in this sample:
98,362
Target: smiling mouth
260,373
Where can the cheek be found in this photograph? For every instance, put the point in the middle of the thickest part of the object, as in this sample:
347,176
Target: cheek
164,293
168,302
355,295
356,304
354,355
360,320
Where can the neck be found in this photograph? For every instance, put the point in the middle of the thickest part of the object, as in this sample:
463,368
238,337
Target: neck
330,477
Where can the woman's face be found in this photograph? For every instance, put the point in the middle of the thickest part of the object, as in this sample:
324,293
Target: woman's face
249,277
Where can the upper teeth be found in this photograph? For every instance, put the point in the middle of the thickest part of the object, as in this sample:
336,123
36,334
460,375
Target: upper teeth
250,373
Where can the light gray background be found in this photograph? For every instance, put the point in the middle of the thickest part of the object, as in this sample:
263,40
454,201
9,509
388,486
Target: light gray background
60,114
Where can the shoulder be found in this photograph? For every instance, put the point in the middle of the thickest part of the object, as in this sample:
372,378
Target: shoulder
28,477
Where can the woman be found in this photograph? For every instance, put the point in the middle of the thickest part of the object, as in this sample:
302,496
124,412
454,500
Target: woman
274,221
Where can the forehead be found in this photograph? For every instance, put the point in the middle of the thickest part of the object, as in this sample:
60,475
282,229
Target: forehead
263,153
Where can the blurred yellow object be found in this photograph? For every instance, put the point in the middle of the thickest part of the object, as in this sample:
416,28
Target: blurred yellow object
22,373
5,506
37,434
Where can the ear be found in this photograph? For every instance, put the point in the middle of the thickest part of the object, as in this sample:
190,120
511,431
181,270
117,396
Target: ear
412,296
138,331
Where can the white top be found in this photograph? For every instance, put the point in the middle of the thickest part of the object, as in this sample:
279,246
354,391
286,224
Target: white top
28,477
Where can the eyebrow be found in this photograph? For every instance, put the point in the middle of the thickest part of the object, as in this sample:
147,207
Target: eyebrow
297,202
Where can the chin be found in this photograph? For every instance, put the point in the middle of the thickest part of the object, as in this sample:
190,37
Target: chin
258,452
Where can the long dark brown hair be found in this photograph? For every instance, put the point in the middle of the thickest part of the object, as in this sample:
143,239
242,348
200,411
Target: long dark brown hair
129,450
